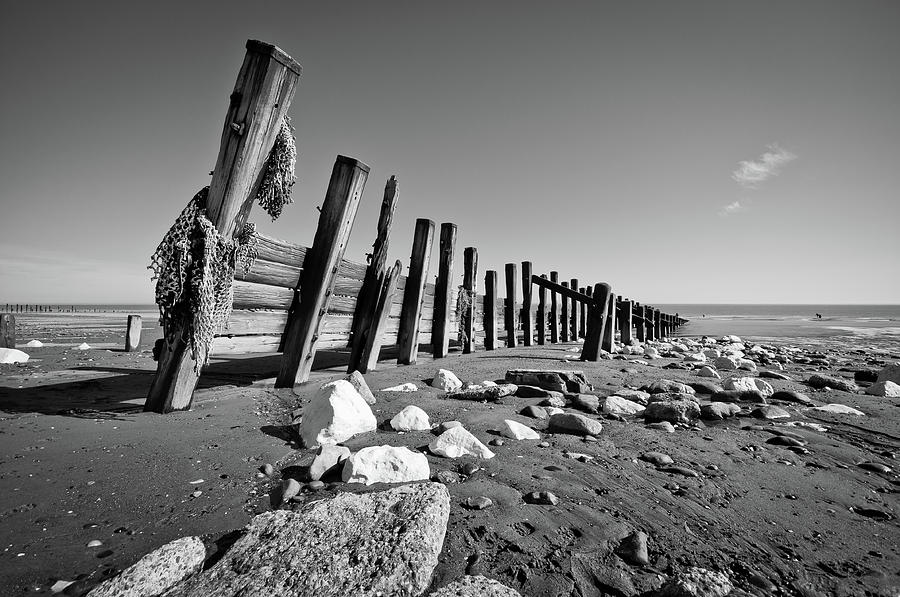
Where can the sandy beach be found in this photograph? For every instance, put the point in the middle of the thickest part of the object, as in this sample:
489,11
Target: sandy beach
82,463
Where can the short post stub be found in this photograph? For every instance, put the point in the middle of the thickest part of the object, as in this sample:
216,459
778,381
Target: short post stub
133,333
7,330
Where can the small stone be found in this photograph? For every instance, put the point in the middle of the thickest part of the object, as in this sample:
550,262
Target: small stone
616,405
95,543
487,394
404,387
748,384
819,382
267,469
586,402
196,493
475,586
446,380
541,497
662,426
315,485
515,430
535,412
457,442
875,466
336,413
479,503
667,386
657,458
863,375
575,424
385,464
679,470
411,418
633,549
718,410
770,412
555,380
791,396
289,488
496,442
446,477
544,445
469,468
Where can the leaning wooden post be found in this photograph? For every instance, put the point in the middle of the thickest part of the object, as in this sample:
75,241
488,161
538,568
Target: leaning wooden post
7,330
609,329
262,94
582,313
440,339
371,287
414,293
374,336
625,325
564,316
509,313
596,322
542,314
554,312
470,270
489,316
527,319
133,333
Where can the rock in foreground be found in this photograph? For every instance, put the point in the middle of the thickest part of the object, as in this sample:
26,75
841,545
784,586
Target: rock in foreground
383,543
386,464
336,413
157,571
476,586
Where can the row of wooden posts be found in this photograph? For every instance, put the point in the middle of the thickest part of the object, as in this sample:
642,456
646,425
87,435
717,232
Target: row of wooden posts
27,308
133,328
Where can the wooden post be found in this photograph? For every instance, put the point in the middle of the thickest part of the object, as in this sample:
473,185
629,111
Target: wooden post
490,310
554,312
582,315
374,337
564,316
262,94
510,315
440,340
542,314
7,330
639,322
596,322
609,329
470,270
527,320
371,289
625,324
576,309
133,333
414,293
310,304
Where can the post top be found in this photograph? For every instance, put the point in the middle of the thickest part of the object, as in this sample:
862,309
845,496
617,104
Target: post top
353,163
279,55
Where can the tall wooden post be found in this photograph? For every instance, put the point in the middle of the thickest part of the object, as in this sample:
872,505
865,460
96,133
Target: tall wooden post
542,314
639,326
564,316
596,322
657,324
374,337
133,333
575,310
7,330
489,315
470,271
610,329
510,315
582,315
527,320
625,325
372,283
554,311
348,179
414,293
262,94
440,339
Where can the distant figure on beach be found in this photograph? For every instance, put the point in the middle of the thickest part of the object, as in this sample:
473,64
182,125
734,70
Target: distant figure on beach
818,316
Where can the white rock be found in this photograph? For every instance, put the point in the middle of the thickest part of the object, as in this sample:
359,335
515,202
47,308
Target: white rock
890,373
748,384
11,355
731,339
386,464
651,353
446,380
411,418
327,458
34,344
553,410
404,387
83,346
840,409
885,388
727,363
697,357
336,413
708,372
457,442
516,430
156,572
746,365
616,405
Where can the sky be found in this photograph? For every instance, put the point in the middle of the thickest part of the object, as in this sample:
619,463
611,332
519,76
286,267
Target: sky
683,152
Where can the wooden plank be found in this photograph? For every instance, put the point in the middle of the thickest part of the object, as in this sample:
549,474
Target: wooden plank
564,315
413,294
133,333
262,95
367,297
250,295
271,273
348,179
246,322
625,322
375,337
7,330
562,289
590,351
610,329
470,271
574,308
527,311
511,314
490,310
443,292
552,286
273,249
542,313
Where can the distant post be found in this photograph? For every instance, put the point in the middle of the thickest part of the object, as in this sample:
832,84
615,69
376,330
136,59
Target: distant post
639,310
625,325
576,309
610,329
554,313
489,315
133,333
470,270
510,311
564,316
542,314
527,320
7,330
582,308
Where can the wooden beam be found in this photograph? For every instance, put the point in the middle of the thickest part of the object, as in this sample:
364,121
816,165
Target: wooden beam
562,289
596,322
374,338
470,271
414,293
348,180
133,333
489,316
564,315
609,330
443,292
625,324
527,320
7,330
262,94
542,313
574,309
510,313
553,287
367,299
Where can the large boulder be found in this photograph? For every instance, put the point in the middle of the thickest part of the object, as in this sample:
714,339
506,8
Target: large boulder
386,464
446,380
456,442
381,543
156,572
885,388
475,586
556,380
891,372
673,411
820,382
11,355
616,405
336,413
411,418
574,424
748,384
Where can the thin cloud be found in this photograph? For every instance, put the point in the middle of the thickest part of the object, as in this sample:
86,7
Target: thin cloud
751,174
731,208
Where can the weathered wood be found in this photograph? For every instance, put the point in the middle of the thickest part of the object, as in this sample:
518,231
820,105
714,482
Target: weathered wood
564,315
272,273
527,318
610,330
596,322
510,311
625,324
376,337
542,312
133,333
443,292
657,324
275,250
638,319
582,316
490,310
370,289
348,180
574,308
7,330
562,289
414,293
262,94
553,287
470,271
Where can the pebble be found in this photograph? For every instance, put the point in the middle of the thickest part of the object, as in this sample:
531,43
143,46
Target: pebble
95,543
479,503
496,442
633,549
544,445
315,485
196,494
267,469
541,497
679,470
535,412
468,469
662,426
657,458
446,477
